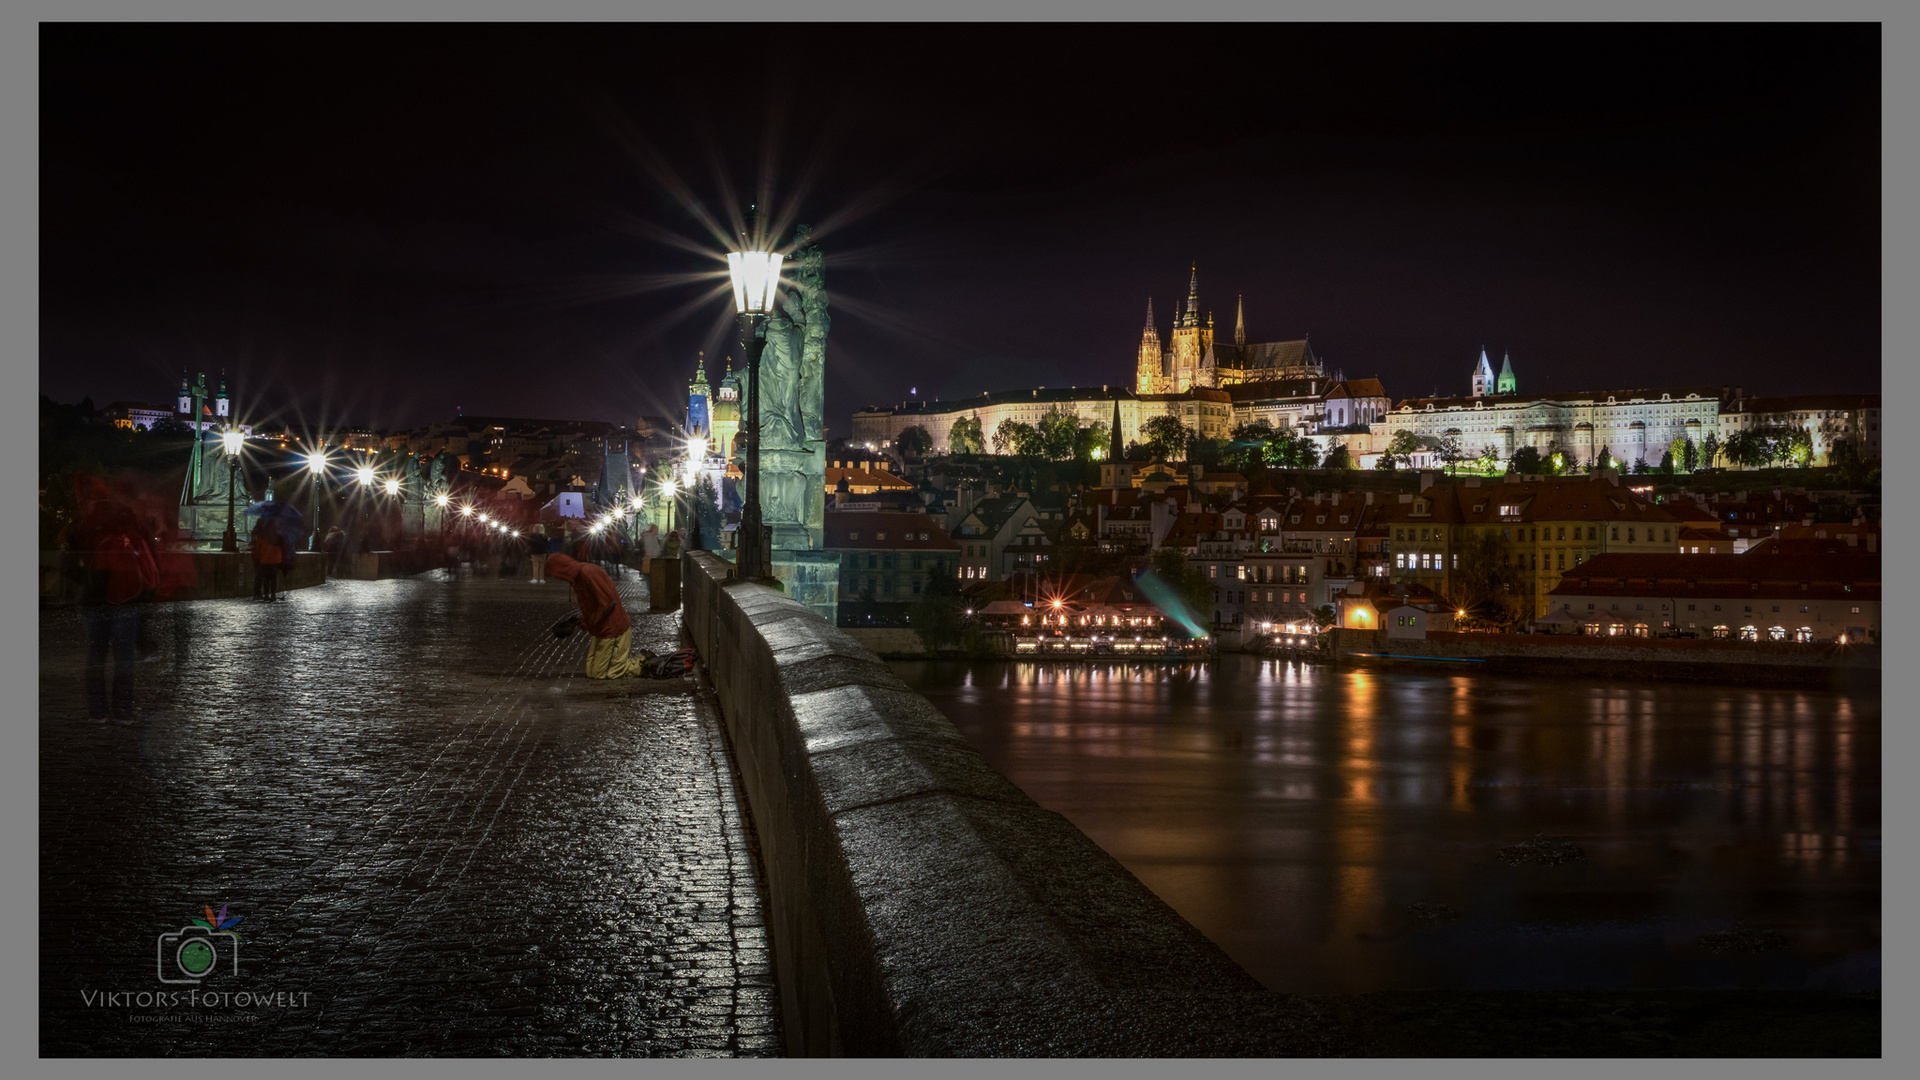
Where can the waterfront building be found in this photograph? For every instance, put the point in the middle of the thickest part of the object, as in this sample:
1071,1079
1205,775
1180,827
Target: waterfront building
1766,594
1545,527
887,556
986,529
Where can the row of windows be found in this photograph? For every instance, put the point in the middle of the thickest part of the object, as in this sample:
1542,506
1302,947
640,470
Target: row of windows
1254,597
854,534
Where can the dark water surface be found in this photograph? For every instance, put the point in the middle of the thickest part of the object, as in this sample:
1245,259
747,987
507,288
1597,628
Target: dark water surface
1297,814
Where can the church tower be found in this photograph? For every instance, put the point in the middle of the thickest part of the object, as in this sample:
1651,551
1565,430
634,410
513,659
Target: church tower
1116,472
1483,382
1192,338
185,401
699,410
220,410
1506,383
1240,322
1152,357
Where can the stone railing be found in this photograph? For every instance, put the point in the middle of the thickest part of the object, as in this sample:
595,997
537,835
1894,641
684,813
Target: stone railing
919,903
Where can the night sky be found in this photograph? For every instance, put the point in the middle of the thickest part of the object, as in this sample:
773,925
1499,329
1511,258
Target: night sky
376,225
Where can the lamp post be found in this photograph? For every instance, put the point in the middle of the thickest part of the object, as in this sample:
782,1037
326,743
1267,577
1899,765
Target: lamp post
317,466
230,441
756,279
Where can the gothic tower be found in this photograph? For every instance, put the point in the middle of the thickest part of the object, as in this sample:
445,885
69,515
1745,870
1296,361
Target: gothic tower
1506,383
1192,337
1483,376
1240,322
1152,357
1116,472
699,409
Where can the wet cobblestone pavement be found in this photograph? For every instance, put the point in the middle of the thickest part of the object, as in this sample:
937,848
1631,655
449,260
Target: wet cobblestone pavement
439,836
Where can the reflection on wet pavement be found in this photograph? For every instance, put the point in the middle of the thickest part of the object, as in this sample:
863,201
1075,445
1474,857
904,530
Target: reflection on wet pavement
1340,830
432,824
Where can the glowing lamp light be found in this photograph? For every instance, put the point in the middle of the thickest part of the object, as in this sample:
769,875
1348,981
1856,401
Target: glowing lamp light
231,440
466,511
756,277
697,449
317,462
393,487
440,500
668,486
364,474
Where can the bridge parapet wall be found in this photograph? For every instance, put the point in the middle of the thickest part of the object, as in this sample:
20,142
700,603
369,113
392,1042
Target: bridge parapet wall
920,903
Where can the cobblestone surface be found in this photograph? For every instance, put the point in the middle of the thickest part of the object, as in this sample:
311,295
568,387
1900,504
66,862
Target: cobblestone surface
441,838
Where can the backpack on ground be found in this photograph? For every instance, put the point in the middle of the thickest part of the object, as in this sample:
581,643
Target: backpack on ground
673,665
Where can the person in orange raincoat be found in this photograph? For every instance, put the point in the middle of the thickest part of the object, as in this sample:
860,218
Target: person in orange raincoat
602,616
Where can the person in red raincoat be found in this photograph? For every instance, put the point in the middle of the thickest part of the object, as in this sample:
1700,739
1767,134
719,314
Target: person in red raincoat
115,565
601,615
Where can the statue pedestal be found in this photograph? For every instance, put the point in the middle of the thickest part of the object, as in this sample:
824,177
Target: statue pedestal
811,577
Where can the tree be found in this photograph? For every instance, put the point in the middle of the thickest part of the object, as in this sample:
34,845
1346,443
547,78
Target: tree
1666,462
1092,441
1450,452
1306,454
1339,458
1014,437
1248,445
1484,583
914,441
1604,459
1790,446
1402,446
1059,434
937,614
1324,616
1689,454
1489,458
1525,461
1710,450
1747,449
965,437
1168,437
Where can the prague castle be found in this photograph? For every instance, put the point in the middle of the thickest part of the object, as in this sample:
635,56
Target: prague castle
1212,386
1192,358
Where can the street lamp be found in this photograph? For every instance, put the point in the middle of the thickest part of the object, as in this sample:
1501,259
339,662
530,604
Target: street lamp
317,466
393,487
230,441
756,279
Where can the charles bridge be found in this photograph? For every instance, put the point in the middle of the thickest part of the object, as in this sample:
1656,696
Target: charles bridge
441,839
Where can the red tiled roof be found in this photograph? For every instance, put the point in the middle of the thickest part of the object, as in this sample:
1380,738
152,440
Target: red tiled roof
885,530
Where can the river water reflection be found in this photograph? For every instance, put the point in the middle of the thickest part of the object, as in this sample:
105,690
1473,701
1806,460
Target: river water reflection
1298,814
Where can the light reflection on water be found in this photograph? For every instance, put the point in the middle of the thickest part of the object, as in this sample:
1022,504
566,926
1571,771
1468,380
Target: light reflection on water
1294,813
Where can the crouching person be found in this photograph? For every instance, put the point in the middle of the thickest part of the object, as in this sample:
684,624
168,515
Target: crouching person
602,616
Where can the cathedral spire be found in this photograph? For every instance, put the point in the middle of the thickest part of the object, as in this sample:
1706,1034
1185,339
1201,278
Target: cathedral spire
1240,321
1149,318
1193,296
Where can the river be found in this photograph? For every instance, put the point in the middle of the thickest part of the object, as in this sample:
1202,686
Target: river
1341,831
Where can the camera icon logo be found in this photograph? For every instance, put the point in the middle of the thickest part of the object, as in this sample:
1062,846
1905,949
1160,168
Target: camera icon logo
192,953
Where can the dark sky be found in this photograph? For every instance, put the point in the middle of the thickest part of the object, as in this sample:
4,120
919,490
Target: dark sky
376,224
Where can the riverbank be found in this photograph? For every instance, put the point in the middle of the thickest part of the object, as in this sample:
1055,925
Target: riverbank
1851,668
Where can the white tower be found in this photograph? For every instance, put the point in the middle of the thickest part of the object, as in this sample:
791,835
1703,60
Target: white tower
1483,380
